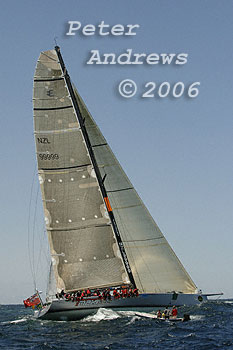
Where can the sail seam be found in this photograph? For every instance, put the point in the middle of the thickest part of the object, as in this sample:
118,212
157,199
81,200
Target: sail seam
128,206
58,98
51,58
144,246
52,77
55,131
142,240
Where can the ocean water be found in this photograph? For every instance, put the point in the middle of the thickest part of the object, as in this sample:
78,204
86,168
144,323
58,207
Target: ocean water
211,327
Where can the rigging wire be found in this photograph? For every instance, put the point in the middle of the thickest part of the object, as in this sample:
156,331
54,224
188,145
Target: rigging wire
43,241
33,234
55,40
28,229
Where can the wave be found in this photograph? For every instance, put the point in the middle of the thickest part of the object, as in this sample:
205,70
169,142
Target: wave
144,314
102,314
15,321
197,317
19,320
109,314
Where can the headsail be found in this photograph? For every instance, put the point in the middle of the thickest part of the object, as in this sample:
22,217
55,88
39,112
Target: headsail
155,266
83,248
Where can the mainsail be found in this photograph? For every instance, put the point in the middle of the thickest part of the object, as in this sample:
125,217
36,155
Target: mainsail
84,247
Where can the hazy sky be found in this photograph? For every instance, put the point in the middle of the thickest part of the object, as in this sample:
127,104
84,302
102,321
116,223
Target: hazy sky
177,152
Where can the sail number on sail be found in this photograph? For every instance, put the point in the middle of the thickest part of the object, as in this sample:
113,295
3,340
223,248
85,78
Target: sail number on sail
47,156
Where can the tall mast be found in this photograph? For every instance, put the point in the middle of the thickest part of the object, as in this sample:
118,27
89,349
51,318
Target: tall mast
95,166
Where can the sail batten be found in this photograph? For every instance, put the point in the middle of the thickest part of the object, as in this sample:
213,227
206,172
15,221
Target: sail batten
120,189
52,109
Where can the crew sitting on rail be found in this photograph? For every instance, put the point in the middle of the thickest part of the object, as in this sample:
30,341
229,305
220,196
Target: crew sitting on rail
83,294
116,295
109,294
67,296
61,294
105,294
130,294
97,293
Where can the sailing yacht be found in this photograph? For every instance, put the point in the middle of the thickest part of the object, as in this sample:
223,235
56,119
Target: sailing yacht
100,233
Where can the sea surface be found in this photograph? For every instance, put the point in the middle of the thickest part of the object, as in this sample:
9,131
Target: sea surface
211,327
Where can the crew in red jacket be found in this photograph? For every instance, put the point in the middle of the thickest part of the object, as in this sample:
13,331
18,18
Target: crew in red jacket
174,312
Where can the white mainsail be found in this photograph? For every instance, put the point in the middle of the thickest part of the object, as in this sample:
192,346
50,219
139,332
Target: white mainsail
84,250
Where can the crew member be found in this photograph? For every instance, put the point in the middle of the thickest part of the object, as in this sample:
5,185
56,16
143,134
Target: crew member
174,312
115,293
166,313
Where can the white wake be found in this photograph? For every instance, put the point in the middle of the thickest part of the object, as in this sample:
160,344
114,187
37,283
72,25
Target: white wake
102,314
197,317
16,321
109,314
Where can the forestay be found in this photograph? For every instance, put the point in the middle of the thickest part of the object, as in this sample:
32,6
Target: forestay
83,248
